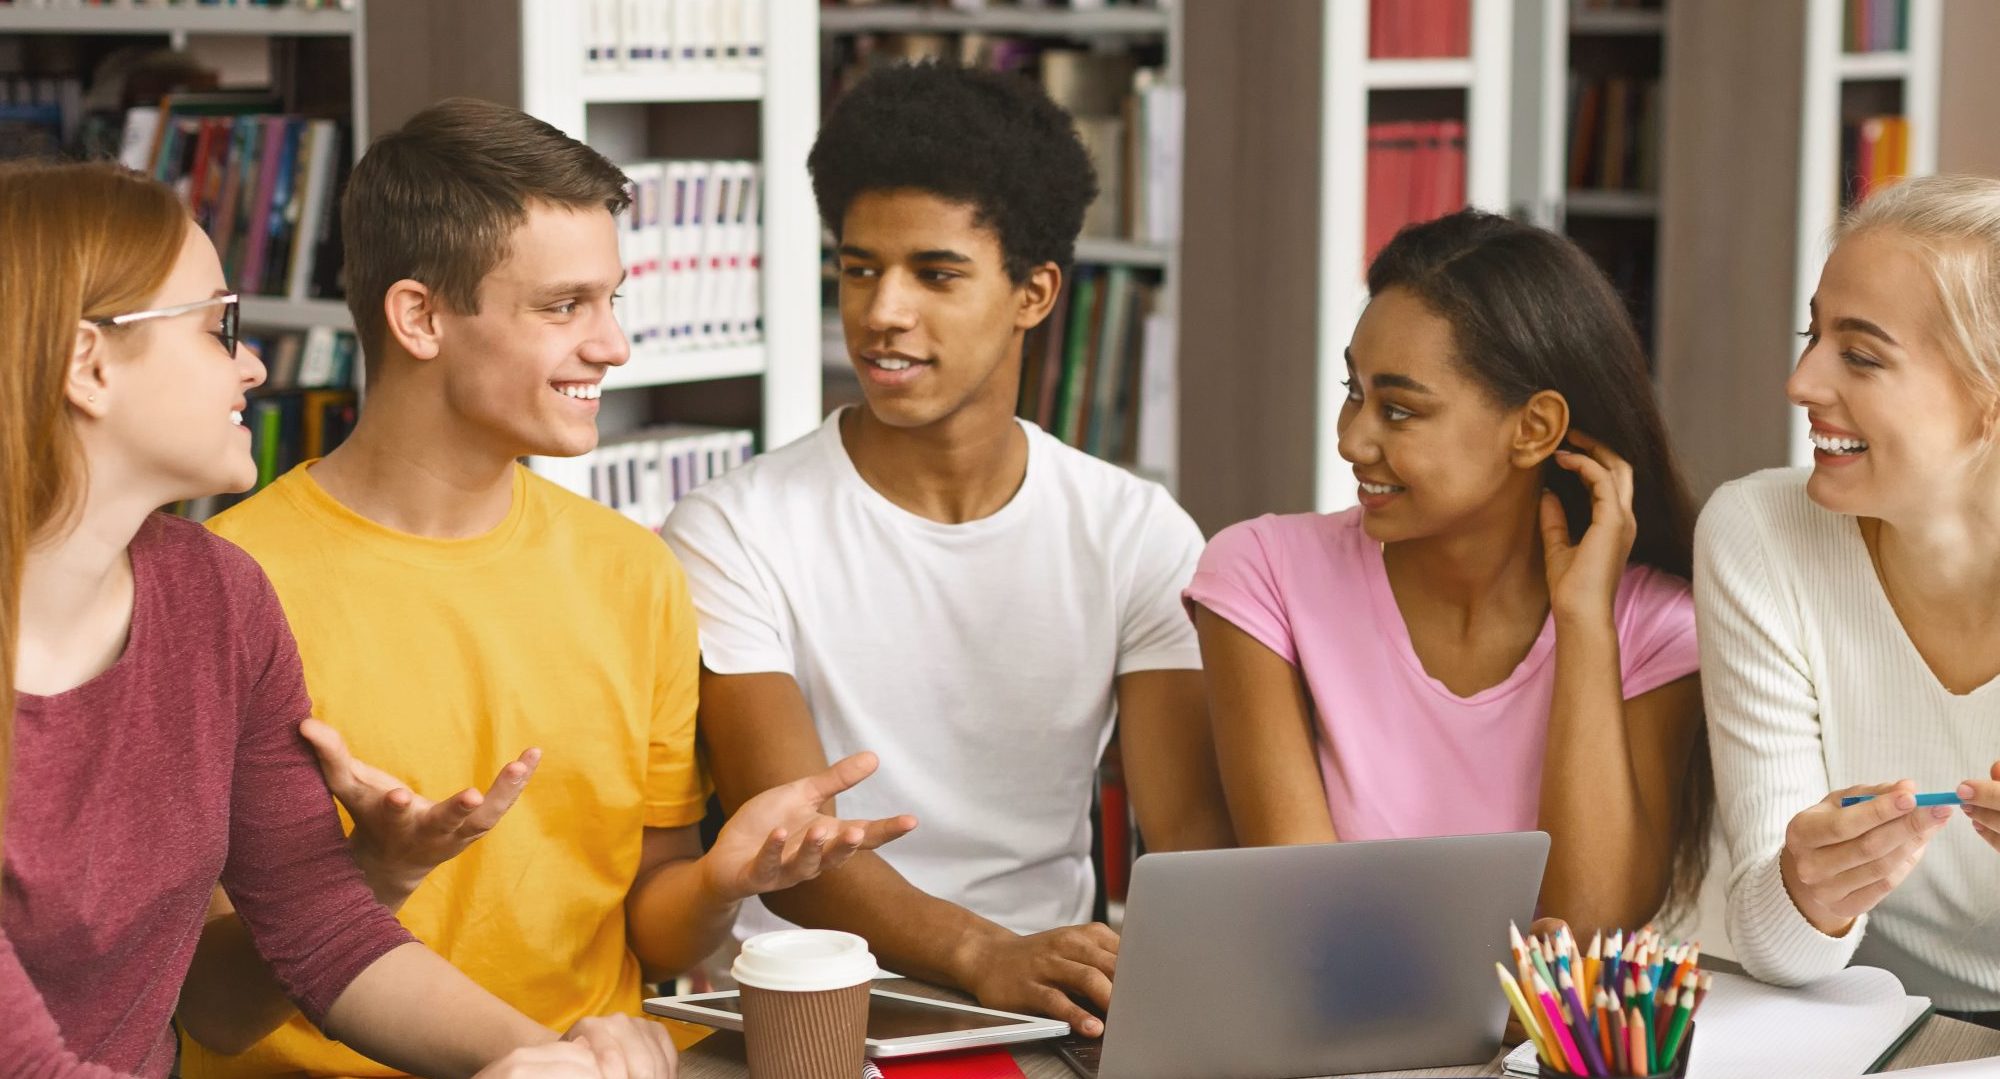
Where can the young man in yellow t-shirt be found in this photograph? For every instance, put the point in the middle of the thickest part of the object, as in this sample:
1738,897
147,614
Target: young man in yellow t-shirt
452,608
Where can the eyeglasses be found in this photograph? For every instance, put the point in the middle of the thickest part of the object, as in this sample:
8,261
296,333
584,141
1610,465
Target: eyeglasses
227,334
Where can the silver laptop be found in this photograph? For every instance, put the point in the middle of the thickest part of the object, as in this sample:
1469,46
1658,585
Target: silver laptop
1279,962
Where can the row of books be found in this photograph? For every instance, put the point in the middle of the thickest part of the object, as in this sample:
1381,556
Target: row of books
318,358
39,116
1614,134
1875,25
1409,29
692,245
1086,370
673,35
262,183
1874,152
287,428
1129,116
643,475
1416,172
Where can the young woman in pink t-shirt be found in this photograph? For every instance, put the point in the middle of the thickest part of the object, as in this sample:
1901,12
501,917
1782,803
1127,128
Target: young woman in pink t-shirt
1500,636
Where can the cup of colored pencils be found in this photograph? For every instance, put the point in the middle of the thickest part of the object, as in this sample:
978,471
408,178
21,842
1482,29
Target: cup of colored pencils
1622,1007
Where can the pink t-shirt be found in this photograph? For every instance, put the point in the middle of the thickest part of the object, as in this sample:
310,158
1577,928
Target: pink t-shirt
1399,754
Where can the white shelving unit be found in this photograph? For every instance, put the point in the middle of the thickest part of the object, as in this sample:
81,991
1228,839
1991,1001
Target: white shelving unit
1828,70
1348,79
1103,28
180,23
785,88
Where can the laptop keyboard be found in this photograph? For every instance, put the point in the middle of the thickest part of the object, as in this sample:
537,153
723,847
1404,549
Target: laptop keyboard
1081,1054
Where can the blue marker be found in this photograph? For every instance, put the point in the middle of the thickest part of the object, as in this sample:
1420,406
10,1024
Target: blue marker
1939,798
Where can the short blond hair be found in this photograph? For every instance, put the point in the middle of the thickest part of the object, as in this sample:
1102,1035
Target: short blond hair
1956,221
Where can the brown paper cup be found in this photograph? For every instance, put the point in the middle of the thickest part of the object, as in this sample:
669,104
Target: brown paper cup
805,1035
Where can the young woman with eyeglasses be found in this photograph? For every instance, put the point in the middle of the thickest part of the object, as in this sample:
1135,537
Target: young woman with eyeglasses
150,691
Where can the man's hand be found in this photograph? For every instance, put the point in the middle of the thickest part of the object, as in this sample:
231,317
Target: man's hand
1046,973
400,836
781,837
625,1047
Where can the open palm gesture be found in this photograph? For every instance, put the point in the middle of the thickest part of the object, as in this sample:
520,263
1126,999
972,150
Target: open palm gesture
783,836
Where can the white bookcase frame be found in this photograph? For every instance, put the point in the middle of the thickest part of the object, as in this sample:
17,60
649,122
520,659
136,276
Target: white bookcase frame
556,88
1828,69
1349,76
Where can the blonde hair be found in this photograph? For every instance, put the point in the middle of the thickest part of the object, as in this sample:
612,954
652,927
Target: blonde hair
83,241
1956,221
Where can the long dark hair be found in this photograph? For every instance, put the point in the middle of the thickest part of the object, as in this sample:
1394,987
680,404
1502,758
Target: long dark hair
1529,311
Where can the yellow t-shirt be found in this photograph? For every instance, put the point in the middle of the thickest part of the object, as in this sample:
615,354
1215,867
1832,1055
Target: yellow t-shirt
567,627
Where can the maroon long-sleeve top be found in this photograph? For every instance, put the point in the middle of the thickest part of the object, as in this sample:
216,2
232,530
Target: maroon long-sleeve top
134,793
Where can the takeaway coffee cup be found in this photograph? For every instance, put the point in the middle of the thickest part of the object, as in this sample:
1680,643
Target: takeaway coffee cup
805,1003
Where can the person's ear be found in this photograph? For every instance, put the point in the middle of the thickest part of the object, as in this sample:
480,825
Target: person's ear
1038,295
1539,429
411,309
87,377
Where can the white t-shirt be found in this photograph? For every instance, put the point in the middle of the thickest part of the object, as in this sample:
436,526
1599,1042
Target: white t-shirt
978,659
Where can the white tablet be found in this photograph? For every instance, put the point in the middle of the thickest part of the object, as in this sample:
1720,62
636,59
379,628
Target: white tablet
898,1025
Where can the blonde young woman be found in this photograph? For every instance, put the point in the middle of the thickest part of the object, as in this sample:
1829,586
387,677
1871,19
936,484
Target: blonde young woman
156,692
1850,619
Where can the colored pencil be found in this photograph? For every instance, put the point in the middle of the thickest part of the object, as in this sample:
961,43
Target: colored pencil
1586,1036
1570,1054
1621,1042
1681,1016
1522,1012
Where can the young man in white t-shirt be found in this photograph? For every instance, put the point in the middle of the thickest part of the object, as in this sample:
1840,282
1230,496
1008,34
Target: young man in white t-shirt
932,579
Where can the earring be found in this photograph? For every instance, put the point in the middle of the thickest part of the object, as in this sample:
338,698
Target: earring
92,397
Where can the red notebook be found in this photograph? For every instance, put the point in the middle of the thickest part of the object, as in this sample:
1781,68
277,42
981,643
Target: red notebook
972,1064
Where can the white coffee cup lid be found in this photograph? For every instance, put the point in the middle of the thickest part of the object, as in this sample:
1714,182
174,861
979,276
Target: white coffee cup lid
804,961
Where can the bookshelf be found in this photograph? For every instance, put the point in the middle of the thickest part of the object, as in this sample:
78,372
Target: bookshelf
1293,97
186,26
1139,433
1589,87
531,54
1756,100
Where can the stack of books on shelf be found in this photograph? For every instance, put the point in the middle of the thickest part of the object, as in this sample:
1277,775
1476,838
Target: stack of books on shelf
262,184
663,36
1090,370
1414,29
1874,152
1416,172
39,117
644,474
1129,116
692,247
1876,26
1614,134
305,407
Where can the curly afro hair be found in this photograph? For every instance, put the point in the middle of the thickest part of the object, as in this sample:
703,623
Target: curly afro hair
989,139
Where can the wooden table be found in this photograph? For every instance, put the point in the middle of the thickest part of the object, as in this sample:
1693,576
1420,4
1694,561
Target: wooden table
1941,1041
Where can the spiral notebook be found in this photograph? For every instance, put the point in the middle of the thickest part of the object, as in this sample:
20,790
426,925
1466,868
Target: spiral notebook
1847,1025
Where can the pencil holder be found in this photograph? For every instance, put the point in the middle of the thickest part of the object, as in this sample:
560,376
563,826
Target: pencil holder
1679,1069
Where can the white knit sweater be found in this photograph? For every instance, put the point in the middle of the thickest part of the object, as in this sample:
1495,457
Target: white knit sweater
1812,685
